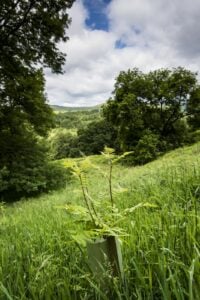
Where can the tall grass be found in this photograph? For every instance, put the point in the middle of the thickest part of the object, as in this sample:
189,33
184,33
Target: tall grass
39,260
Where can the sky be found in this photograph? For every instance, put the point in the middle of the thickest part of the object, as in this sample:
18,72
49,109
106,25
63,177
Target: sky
109,36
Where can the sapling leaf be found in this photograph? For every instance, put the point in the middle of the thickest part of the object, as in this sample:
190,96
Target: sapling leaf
76,209
85,164
99,218
82,237
108,153
146,204
68,164
108,150
121,157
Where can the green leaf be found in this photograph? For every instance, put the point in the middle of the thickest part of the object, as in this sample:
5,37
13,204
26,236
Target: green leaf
132,209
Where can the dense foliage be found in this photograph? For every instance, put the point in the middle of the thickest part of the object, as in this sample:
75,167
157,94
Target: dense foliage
90,138
166,103
95,137
29,34
76,119
148,114
28,170
61,143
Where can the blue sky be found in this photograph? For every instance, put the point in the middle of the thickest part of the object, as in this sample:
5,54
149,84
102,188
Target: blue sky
97,18
108,36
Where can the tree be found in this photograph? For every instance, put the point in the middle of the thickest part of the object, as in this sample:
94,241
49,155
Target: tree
30,31
193,109
97,135
126,117
171,93
145,151
29,34
61,142
161,101
27,170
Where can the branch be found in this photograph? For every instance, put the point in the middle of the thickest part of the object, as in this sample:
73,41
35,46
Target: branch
23,21
193,112
180,115
170,119
8,14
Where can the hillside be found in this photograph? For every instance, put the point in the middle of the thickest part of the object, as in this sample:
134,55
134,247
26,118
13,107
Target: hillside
161,249
60,109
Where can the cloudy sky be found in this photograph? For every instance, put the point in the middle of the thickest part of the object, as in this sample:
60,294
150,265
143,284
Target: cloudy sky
107,36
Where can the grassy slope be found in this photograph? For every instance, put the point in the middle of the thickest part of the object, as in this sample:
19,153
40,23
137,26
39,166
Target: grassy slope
38,260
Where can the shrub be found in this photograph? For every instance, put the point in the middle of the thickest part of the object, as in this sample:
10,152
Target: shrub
145,151
193,137
60,142
31,172
97,135
56,176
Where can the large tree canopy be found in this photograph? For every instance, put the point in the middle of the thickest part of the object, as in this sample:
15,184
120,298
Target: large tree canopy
161,101
30,31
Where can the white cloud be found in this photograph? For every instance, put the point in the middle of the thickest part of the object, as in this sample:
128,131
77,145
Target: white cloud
157,34
173,24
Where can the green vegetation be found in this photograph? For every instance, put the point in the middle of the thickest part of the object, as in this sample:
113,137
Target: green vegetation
80,132
165,102
42,245
29,174
42,254
29,32
76,119
40,260
149,114
63,109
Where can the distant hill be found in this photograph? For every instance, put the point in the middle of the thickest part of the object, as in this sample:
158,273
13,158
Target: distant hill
59,108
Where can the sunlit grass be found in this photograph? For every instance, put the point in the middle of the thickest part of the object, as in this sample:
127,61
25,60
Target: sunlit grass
39,260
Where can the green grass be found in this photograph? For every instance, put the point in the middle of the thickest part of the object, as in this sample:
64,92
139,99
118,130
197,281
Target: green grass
39,260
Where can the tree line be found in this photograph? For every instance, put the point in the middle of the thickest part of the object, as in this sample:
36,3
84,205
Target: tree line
148,114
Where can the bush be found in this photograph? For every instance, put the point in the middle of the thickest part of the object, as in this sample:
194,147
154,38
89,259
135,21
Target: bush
145,151
89,140
3,182
56,176
193,137
28,172
60,142
177,136
97,135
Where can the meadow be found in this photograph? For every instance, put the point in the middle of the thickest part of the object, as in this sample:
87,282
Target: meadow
161,248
